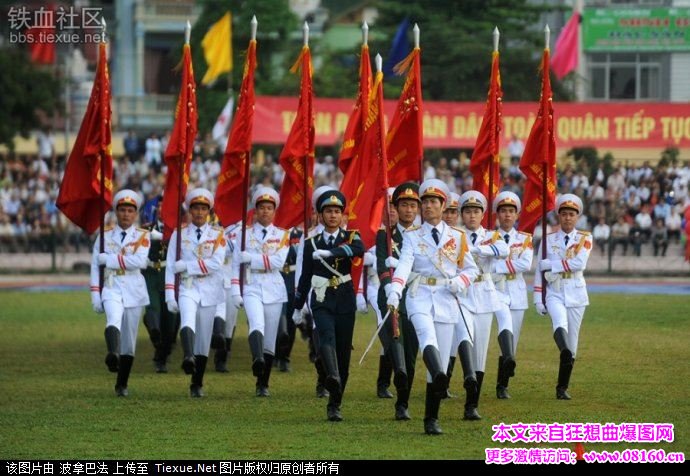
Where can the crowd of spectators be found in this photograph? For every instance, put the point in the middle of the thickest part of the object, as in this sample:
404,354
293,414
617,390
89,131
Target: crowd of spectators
628,207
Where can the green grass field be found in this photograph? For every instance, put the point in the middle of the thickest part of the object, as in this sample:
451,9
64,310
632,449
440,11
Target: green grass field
633,366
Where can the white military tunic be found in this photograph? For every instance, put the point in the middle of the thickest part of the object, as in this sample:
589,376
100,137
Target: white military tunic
227,310
566,289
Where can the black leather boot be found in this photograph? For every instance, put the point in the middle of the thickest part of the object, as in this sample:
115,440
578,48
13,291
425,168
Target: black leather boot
501,381
469,381
187,341
397,357
449,373
505,342
432,359
126,362
321,391
432,404
220,359
112,343
564,370
384,379
256,346
152,321
262,380
218,335
198,376
330,364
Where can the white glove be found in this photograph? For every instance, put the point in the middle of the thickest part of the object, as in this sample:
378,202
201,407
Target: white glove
172,306
321,254
369,259
393,299
102,258
96,302
387,289
180,266
297,317
362,304
545,265
156,235
391,262
238,301
541,309
245,257
456,285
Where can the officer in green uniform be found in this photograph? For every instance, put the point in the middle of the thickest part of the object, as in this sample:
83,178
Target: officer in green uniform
401,351
327,283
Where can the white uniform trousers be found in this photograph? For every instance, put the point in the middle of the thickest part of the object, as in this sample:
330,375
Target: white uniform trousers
517,315
200,320
569,318
436,334
504,318
230,315
264,318
126,320
463,331
482,333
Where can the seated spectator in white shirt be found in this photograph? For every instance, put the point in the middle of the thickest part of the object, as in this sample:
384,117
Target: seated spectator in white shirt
601,234
673,223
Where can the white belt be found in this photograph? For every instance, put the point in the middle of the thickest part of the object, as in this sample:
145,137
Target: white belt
555,278
483,277
110,273
433,281
500,279
319,284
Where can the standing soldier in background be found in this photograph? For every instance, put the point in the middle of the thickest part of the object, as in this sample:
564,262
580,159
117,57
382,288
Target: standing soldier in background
287,329
438,255
402,352
508,273
327,283
162,325
227,310
482,300
263,294
304,319
201,284
123,296
567,252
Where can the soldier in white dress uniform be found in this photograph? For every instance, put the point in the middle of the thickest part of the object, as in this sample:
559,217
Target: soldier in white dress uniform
263,295
200,284
438,255
124,292
508,273
227,310
567,251
451,215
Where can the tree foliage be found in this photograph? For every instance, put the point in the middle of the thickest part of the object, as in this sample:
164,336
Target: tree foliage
24,91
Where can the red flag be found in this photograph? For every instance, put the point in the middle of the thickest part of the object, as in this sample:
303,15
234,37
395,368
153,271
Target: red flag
178,155
355,125
539,156
567,45
81,198
238,150
298,153
367,176
41,36
404,140
485,163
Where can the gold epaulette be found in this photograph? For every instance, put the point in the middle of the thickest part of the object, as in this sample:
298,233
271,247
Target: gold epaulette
108,228
458,229
413,228
583,233
552,233
524,233
143,230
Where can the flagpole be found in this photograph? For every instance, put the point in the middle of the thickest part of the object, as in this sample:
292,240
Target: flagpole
178,244
415,32
245,181
490,222
305,159
544,165
101,240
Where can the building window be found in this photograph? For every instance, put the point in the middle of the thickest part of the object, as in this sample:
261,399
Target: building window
625,76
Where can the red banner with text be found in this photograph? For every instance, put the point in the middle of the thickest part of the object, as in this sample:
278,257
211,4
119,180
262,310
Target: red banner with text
456,124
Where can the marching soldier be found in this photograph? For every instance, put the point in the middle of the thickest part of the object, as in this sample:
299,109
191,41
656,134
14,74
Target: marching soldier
567,251
124,295
482,300
451,215
402,352
327,283
263,295
161,324
287,329
227,310
201,284
439,256
304,319
508,274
